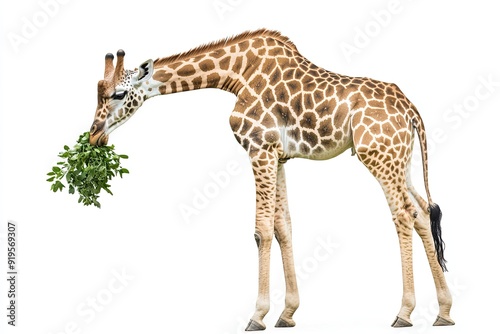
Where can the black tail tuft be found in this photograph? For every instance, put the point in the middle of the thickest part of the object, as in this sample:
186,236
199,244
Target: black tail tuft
435,213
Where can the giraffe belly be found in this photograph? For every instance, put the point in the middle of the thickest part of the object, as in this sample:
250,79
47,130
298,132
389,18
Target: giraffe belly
310,145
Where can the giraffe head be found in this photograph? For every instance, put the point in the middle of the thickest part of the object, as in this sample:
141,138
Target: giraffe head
119,95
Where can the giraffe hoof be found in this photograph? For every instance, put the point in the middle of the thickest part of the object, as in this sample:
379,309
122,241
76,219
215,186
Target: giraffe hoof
285,323
399,322
440,321
254,326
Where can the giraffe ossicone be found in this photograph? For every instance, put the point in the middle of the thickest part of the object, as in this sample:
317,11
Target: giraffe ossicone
287,107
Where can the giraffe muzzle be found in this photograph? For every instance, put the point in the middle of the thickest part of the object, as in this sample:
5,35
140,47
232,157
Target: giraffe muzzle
98,136
98,139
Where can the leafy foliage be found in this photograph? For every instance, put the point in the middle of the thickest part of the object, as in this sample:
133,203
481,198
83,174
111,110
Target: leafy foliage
86,169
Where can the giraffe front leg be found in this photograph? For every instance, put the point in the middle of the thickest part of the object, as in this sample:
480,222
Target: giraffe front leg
283,232
264,240
264,166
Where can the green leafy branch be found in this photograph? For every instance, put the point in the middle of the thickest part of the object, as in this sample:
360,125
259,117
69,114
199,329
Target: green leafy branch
86,169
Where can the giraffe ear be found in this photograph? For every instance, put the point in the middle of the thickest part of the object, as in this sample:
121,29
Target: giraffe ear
144,72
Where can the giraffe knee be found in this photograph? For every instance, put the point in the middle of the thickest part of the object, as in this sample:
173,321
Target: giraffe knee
405,219
411,210
263,239
257,239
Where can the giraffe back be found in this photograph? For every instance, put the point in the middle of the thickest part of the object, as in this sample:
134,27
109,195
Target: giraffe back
302,109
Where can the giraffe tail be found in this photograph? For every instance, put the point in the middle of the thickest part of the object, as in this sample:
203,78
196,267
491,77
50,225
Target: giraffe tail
433,209
436,214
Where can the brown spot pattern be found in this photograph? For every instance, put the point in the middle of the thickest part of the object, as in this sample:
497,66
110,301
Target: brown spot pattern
186,71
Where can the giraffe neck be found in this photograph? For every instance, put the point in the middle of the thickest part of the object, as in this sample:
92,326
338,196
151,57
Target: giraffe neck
195,73
228,65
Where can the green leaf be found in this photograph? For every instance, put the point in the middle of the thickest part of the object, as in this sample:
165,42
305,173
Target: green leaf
107,190
123,171
56,186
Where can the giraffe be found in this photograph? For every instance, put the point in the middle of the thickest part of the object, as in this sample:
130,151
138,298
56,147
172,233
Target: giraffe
287,107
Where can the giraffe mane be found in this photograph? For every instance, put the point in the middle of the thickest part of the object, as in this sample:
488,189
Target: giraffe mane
226,42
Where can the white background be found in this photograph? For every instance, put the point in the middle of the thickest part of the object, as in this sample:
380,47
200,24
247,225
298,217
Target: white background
199,274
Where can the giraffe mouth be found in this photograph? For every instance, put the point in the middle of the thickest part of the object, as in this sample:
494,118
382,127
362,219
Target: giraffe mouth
98,139
102,140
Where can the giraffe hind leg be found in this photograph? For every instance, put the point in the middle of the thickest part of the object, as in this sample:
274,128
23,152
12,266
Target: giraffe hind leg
424,230
387,162
403,216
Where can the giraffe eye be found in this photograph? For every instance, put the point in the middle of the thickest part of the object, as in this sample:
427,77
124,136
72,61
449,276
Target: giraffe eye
119,95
